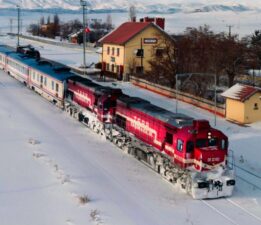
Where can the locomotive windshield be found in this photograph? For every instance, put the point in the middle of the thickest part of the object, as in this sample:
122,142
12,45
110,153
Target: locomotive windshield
200,143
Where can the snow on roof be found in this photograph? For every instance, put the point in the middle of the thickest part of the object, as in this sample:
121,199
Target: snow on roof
240,92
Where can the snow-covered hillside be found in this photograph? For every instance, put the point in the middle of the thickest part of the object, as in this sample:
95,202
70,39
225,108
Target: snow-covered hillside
164,6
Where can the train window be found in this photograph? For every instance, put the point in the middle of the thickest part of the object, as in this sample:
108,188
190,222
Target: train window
106,104
190,147
169,138
121,121
212,142
201,143
224,144
180,145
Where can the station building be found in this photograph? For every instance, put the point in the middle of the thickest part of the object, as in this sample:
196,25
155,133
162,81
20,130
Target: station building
129,48
243,104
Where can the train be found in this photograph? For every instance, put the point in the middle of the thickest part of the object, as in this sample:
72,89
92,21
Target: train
185,151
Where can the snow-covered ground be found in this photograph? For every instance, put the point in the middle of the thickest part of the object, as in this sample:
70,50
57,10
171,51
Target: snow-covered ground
68,56
49,161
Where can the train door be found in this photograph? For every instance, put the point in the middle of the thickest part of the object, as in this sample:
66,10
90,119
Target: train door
168,143
189,153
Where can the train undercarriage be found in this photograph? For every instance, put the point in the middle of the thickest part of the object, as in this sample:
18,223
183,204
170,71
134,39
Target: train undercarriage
200,185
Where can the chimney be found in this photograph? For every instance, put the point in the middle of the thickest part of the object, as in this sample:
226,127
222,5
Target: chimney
133,19
156,20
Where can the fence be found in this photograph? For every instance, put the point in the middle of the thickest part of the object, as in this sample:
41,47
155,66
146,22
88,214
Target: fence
182,96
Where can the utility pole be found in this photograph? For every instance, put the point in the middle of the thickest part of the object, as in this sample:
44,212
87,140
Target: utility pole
84,4
230,30
18,25
11,25
142,55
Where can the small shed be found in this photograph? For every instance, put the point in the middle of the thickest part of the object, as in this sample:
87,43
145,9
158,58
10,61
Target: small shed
74,37
243,104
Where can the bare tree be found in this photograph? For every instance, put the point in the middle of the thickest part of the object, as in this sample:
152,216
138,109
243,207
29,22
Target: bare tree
163,65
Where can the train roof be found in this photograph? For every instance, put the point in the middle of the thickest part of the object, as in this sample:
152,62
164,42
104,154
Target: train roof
98,89
6,49
56,70
53,69
174,119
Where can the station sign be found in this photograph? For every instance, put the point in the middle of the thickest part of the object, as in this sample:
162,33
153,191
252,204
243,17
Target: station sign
150,40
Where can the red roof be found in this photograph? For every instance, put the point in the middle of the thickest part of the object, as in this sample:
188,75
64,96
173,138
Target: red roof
124,32
241,92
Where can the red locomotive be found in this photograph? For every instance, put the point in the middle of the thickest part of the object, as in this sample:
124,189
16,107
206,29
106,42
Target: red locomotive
187,151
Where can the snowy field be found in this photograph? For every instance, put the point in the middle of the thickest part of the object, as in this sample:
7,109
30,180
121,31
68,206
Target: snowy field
49,161
68,56
243,23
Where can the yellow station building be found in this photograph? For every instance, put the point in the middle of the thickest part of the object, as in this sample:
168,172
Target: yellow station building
128,48
243,104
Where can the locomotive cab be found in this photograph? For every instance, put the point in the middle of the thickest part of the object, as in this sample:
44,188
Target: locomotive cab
106,103
204,148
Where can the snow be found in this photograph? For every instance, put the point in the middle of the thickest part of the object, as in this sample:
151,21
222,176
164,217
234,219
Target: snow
234,92
124,4
244,23
49,161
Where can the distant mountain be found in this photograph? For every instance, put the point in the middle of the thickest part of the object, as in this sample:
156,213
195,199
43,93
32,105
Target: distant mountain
148,6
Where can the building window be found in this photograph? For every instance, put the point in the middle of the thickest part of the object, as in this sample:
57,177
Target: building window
112,51
57,87
108,50
255,106
52,85
112,68
140,52
112,59
45,81
118,51
159,52
118,69
108,67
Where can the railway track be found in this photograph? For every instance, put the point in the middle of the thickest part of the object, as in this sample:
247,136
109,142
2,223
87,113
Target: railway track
248,177
232,212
